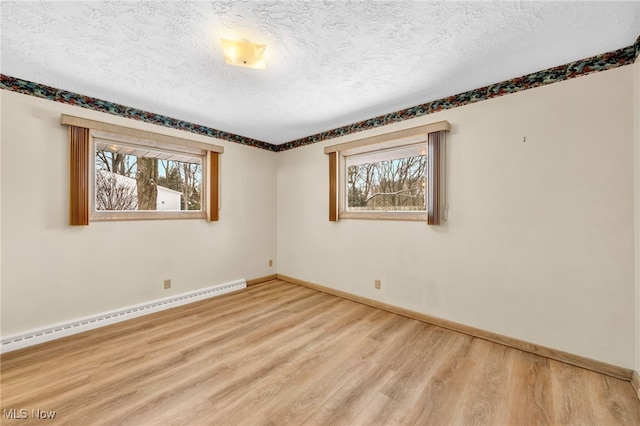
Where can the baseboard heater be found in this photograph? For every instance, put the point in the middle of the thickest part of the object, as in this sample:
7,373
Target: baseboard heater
34,337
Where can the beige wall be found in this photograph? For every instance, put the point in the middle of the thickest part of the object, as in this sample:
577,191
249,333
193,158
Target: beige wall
52,272
539,243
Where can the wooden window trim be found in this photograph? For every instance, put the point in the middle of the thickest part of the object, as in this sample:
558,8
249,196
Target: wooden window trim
97,216
407,216
80,179
333,187
434,181
70,120
214,186
391,139
79,143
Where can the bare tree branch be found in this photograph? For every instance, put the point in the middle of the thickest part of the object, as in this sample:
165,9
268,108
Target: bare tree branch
401,193
113,193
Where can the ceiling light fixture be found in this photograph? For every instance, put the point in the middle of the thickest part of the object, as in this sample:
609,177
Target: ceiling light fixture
244,53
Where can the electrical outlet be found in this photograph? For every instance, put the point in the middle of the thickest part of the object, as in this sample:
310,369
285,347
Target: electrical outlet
270,262
377,284
167,284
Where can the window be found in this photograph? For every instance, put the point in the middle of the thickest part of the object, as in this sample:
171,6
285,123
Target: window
392,176
119,173
390,180
134,176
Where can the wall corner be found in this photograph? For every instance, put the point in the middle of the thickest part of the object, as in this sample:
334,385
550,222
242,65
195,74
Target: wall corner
636,178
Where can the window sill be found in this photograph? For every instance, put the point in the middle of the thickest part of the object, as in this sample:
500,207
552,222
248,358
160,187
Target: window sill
408,216
142,215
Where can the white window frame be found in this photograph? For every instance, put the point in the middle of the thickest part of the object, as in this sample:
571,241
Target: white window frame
102,215
344,213
338,181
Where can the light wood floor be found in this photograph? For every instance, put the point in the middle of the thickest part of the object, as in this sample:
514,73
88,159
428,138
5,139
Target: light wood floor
278,354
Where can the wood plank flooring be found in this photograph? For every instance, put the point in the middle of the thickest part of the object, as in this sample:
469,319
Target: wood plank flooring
281,354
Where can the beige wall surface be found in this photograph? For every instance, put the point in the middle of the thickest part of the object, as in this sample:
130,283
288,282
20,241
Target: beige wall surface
540,238
539,244
52,272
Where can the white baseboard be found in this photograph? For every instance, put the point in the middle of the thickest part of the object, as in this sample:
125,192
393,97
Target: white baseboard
45,334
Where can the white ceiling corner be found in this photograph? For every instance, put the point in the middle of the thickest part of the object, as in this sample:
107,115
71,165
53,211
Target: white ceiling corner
328,63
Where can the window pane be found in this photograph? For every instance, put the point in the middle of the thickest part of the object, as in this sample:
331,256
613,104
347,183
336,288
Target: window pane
387,180
133,178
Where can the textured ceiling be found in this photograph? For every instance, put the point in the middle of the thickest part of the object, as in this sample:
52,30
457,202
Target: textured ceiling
328,63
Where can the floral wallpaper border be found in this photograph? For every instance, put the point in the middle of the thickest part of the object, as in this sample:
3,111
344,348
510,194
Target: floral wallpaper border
603,62
575,69
58,95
